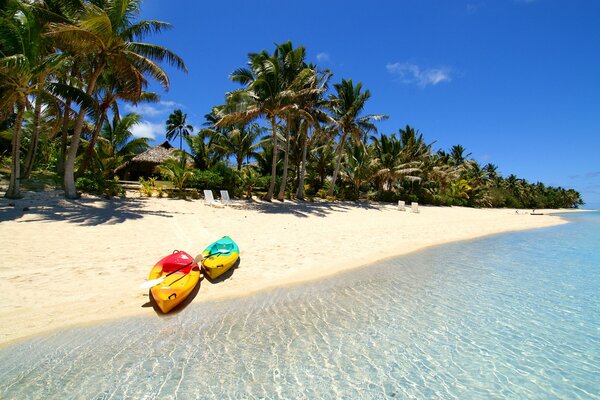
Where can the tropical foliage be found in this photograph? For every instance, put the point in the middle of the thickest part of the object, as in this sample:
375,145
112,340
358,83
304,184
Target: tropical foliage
67,66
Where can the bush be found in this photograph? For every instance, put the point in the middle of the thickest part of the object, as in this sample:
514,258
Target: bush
147,186
96,184
219,177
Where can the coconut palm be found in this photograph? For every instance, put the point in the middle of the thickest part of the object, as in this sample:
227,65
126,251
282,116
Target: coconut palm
117,145
390,166
357,166
177,127
239,141
177,172
23,67
346,107
106,35
266,93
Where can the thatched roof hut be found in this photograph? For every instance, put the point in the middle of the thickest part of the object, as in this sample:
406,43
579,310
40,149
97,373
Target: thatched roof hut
144,164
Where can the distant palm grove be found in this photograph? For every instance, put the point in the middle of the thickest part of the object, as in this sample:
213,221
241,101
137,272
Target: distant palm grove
290,131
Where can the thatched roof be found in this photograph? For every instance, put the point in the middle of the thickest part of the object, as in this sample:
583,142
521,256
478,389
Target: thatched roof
145,164
156,155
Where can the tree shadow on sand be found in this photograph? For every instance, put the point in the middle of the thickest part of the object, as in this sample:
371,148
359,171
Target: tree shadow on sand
304,209
83,211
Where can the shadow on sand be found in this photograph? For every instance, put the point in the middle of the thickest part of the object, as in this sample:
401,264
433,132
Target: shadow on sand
304,209
83,211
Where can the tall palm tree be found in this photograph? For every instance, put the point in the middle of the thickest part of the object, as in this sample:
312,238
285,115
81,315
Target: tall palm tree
177,127
106,35
266,93
346,107
23,66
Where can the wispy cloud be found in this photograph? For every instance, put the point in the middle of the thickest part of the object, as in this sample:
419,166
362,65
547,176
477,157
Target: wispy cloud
148,130
592,174
413,74
153,109
323,57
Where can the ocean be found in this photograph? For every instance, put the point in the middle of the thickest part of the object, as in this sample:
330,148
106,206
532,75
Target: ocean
511,316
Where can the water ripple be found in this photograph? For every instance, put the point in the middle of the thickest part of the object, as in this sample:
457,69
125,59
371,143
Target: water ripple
513,316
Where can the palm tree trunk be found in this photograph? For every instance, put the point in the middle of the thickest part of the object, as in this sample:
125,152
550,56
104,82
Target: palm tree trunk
89,152
14,191
300,191
338,163
63,137
269,195
35,134
69,179
281,195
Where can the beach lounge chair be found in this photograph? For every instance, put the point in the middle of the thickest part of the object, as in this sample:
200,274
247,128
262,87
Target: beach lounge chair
225,198
414,207
210,200
401,205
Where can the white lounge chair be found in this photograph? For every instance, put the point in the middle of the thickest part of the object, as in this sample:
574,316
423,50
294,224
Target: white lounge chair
225,198
414,207
401,205
210,200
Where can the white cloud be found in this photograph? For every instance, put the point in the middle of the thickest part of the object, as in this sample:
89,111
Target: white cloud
153,109
322,57
171,104
412,73
145,110
148,130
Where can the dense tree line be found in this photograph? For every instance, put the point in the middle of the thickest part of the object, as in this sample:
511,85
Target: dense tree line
288,131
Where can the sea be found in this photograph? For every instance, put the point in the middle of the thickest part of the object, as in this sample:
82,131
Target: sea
511,316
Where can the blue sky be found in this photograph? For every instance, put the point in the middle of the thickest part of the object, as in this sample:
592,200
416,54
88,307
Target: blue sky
516,82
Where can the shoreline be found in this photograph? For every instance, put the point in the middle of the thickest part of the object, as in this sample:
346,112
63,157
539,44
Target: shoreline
108,247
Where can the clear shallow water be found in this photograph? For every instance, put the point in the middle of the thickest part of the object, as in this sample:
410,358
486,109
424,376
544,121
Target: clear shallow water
511,316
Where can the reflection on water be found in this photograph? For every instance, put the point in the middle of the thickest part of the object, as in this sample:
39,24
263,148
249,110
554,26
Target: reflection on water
513,316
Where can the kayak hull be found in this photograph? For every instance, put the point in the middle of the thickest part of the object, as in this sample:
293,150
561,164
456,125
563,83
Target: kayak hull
183,278
217,263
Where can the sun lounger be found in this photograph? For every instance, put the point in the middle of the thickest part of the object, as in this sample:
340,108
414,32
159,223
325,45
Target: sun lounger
401,205
414,207
210,200
225,198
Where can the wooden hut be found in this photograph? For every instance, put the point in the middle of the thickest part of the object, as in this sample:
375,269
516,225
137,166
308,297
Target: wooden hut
145,164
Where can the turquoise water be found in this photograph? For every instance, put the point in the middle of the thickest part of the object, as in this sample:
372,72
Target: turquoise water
514,316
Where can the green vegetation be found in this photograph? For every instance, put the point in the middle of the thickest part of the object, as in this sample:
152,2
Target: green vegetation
66,66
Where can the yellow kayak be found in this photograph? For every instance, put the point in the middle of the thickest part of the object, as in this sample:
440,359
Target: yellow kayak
181,277
219,257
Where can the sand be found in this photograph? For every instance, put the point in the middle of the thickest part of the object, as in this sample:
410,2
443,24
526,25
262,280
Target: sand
66,262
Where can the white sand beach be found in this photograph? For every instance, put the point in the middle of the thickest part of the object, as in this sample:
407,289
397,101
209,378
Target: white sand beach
73,262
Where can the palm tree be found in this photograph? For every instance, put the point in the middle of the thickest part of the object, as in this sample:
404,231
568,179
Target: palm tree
357,166
177,172
240,141
177,127
105,35
346,107
23,66
390,165
116,144
266,93
457,155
